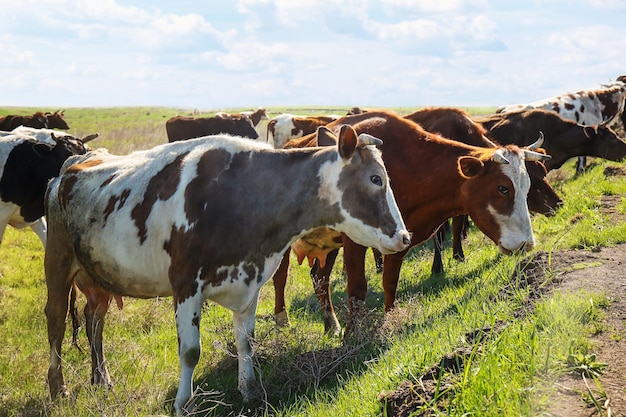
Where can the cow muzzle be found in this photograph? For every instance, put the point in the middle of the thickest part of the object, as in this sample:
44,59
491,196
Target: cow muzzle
400,241
523,247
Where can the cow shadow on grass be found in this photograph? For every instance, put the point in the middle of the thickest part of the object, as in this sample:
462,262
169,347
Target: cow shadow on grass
296,363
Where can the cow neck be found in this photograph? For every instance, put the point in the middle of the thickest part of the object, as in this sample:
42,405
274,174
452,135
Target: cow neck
427,183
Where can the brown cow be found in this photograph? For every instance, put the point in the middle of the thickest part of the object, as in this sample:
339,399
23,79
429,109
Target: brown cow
456,124
564,139
182,128
586,107
56,120
425,170
37,120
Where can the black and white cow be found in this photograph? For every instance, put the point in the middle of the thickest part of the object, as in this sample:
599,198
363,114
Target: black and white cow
29,158
177,220
603,105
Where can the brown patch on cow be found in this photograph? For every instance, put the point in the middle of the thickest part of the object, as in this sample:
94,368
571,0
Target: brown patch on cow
162,186
84,165
65,189
582,108
611,108
569,106
110,208
107,181
556,108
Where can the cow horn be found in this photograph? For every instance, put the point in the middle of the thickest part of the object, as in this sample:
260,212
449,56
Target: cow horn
89,137
537,143
535,156
367,139
499,158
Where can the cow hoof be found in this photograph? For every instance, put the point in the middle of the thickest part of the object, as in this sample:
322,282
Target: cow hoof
282,319
332,326
250,391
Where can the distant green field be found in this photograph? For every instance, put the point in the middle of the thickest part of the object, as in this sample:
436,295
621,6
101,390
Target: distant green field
304,372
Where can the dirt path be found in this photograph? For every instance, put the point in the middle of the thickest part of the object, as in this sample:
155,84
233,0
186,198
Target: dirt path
601,271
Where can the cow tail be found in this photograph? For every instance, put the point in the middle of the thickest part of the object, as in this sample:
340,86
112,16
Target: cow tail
74,316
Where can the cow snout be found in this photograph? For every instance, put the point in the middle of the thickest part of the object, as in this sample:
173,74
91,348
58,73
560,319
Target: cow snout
401,241
522,247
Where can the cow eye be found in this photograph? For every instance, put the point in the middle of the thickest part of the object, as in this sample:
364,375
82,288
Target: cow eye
376,179
503,190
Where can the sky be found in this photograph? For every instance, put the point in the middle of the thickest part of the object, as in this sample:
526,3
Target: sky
262,53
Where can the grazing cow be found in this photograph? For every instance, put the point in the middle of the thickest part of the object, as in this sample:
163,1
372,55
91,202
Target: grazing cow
457,124
433,179
564,139
285,127
27,163
586,107
176,221
181,127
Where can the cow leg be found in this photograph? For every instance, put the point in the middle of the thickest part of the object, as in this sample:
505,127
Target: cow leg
188,326
59,280
40,228
438,240
354,261
391,276
321,285
378,260
244,335
98,301
580,165
280,281
459,231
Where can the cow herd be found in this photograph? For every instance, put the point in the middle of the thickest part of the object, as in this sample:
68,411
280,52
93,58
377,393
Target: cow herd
197,218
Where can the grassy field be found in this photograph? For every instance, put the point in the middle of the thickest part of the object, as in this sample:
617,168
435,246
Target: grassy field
303,372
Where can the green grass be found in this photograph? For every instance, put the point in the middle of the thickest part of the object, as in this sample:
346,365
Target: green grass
304,372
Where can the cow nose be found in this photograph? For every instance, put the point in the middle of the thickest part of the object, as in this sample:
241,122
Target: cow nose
406,237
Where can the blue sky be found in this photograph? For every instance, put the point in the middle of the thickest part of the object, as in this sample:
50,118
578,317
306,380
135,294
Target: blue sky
251,53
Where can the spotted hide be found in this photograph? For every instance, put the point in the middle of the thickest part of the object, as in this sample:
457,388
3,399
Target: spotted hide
586,107
202,219
29,158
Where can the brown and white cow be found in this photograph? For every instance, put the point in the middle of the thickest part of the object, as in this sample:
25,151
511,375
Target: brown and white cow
586,107
256,117
285,127
456,124
564,139
176,221
182,127
433,179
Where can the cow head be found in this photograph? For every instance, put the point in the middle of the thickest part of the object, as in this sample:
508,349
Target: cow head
495,191
363,179
56,120
601,141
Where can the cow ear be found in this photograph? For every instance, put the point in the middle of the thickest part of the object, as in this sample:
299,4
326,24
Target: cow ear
325,137
347,141
469,166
